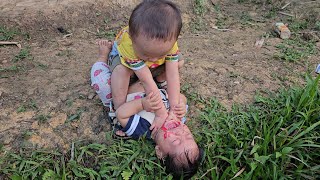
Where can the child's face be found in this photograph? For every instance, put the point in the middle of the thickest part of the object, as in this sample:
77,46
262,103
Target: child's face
151,49
175,138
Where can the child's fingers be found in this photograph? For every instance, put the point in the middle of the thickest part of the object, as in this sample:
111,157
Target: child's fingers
149,96
156,102
152,126
154,131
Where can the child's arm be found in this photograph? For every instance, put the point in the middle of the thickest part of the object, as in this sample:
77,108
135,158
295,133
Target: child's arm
173,80
149,85
126,110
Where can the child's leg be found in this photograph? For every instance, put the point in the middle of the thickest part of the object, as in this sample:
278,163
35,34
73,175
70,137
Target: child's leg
104,50
120,78
100,73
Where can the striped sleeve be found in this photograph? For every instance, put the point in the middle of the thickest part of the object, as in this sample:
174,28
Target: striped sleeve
173,55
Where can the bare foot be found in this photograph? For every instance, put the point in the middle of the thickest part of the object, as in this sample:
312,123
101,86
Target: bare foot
120,133
104,49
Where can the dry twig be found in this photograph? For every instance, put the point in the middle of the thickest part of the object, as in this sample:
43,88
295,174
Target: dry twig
10,43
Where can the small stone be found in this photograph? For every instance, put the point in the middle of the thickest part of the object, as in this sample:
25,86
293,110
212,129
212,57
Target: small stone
4,62
91,95
221,70
236,82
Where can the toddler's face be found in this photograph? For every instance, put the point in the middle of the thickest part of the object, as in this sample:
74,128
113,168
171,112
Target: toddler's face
175,138
151,49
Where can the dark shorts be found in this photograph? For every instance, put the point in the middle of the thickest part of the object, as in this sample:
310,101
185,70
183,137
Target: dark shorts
114,61
137,127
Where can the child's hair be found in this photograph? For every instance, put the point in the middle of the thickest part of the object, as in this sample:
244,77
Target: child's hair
155,19
179,169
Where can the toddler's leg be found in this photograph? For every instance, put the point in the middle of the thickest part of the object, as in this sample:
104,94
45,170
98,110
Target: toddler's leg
120,78
100,73
104,50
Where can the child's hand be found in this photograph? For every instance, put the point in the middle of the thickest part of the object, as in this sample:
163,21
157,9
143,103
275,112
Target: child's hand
156,125
151,102
180,110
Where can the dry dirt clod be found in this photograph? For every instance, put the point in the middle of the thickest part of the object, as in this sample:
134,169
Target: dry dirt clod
259,43
91,95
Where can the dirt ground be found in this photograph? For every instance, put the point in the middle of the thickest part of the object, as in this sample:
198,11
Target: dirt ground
47,101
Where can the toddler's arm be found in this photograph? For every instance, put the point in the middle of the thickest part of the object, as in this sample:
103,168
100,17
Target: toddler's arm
149,85
173,80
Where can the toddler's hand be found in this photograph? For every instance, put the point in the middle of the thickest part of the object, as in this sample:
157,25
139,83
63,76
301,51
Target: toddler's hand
151,102
180,110
156,125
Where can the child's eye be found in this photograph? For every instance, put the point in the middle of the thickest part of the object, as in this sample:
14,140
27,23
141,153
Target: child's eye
176,142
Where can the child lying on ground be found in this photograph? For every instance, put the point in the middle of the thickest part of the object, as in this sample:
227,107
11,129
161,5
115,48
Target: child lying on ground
174,141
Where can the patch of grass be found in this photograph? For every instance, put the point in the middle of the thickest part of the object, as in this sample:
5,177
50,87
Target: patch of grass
277,137
31,105
42,66
26,134
68,53
21,108
199,23
76,116
297,25
69,102
23,54
317,26
7,34
42,118
199,7
295,49
106,34
13,68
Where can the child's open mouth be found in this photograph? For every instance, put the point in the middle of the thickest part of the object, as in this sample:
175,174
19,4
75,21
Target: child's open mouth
169,125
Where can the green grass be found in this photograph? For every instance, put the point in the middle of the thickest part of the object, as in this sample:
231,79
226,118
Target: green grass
199,23
276,137
106,34
23,54
7,34
295,49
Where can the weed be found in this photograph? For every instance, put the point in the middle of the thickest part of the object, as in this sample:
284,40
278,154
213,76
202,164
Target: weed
297,25
317,26
23,54
197,25
28,106
21,108
13,68
272,13
7,34
295,49
106,20
68,53
199,7
26,134
76,116
42,66
69,102
42,118
106,34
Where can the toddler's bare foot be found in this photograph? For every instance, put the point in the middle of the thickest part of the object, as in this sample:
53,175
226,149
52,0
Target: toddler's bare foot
120,133
104,49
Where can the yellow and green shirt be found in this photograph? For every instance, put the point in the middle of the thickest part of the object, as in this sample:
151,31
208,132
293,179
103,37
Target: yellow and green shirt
131,60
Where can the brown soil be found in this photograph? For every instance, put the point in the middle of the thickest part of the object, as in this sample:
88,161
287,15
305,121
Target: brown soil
53,84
